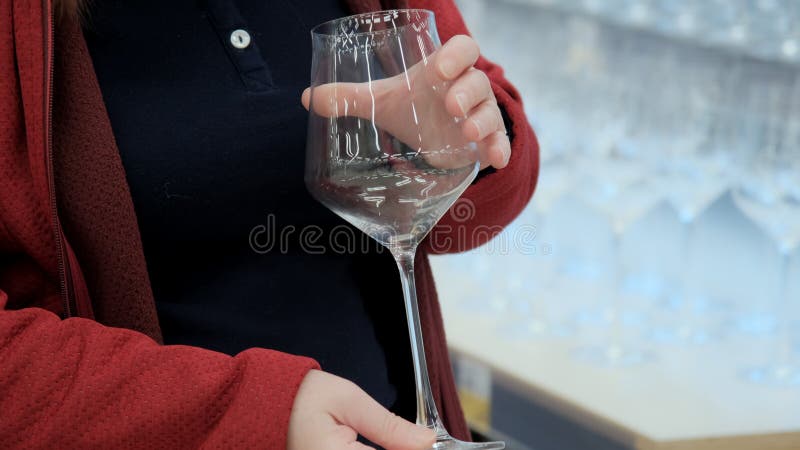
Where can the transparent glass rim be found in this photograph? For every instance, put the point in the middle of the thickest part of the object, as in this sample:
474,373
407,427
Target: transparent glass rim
331,28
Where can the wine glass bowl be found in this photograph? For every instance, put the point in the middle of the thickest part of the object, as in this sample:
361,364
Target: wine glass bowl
384,151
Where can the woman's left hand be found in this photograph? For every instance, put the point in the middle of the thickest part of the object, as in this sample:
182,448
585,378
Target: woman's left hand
441,88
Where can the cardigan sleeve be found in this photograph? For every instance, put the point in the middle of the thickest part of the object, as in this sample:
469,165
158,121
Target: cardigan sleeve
498,196
77,384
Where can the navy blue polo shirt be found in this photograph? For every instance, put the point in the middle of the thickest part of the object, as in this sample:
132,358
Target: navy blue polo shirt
204,101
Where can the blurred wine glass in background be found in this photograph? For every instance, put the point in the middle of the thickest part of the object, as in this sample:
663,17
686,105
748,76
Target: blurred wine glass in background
777,211
769,195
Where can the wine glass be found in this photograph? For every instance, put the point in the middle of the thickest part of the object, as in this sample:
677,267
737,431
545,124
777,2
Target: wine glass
623,204
777,212
694,182
384,154
768,164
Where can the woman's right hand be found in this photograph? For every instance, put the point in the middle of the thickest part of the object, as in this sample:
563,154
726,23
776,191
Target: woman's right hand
450,87
329,412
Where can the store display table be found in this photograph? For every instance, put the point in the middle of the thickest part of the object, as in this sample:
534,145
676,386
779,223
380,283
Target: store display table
650,407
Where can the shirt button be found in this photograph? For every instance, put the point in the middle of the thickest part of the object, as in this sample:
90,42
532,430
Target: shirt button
240,38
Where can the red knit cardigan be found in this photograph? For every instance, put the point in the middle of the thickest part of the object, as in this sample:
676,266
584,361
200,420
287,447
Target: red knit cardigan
82,364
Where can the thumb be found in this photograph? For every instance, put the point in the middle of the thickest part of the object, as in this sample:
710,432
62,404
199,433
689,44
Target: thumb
380,426
344,99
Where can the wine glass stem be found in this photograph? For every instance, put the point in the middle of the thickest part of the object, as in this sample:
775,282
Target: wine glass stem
616,292
427,414
687,279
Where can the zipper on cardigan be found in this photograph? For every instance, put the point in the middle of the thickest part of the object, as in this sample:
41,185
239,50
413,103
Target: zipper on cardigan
63,271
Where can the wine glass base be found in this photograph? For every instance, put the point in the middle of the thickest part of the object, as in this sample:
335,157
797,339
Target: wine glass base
787,375
450,443
613,355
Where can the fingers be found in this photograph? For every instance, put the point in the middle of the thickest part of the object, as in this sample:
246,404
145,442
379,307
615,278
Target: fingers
496,150
457,55
373,421
483,121
471,97
467,92
485,126
342,99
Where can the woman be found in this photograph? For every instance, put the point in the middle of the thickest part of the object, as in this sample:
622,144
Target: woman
138,153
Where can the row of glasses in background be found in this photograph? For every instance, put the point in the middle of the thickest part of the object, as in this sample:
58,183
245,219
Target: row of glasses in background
630,121
672,130
626,168
696,168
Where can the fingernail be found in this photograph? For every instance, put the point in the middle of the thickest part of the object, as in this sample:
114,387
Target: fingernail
461,99
478,126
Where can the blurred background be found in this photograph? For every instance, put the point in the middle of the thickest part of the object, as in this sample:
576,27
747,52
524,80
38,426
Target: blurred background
649,296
